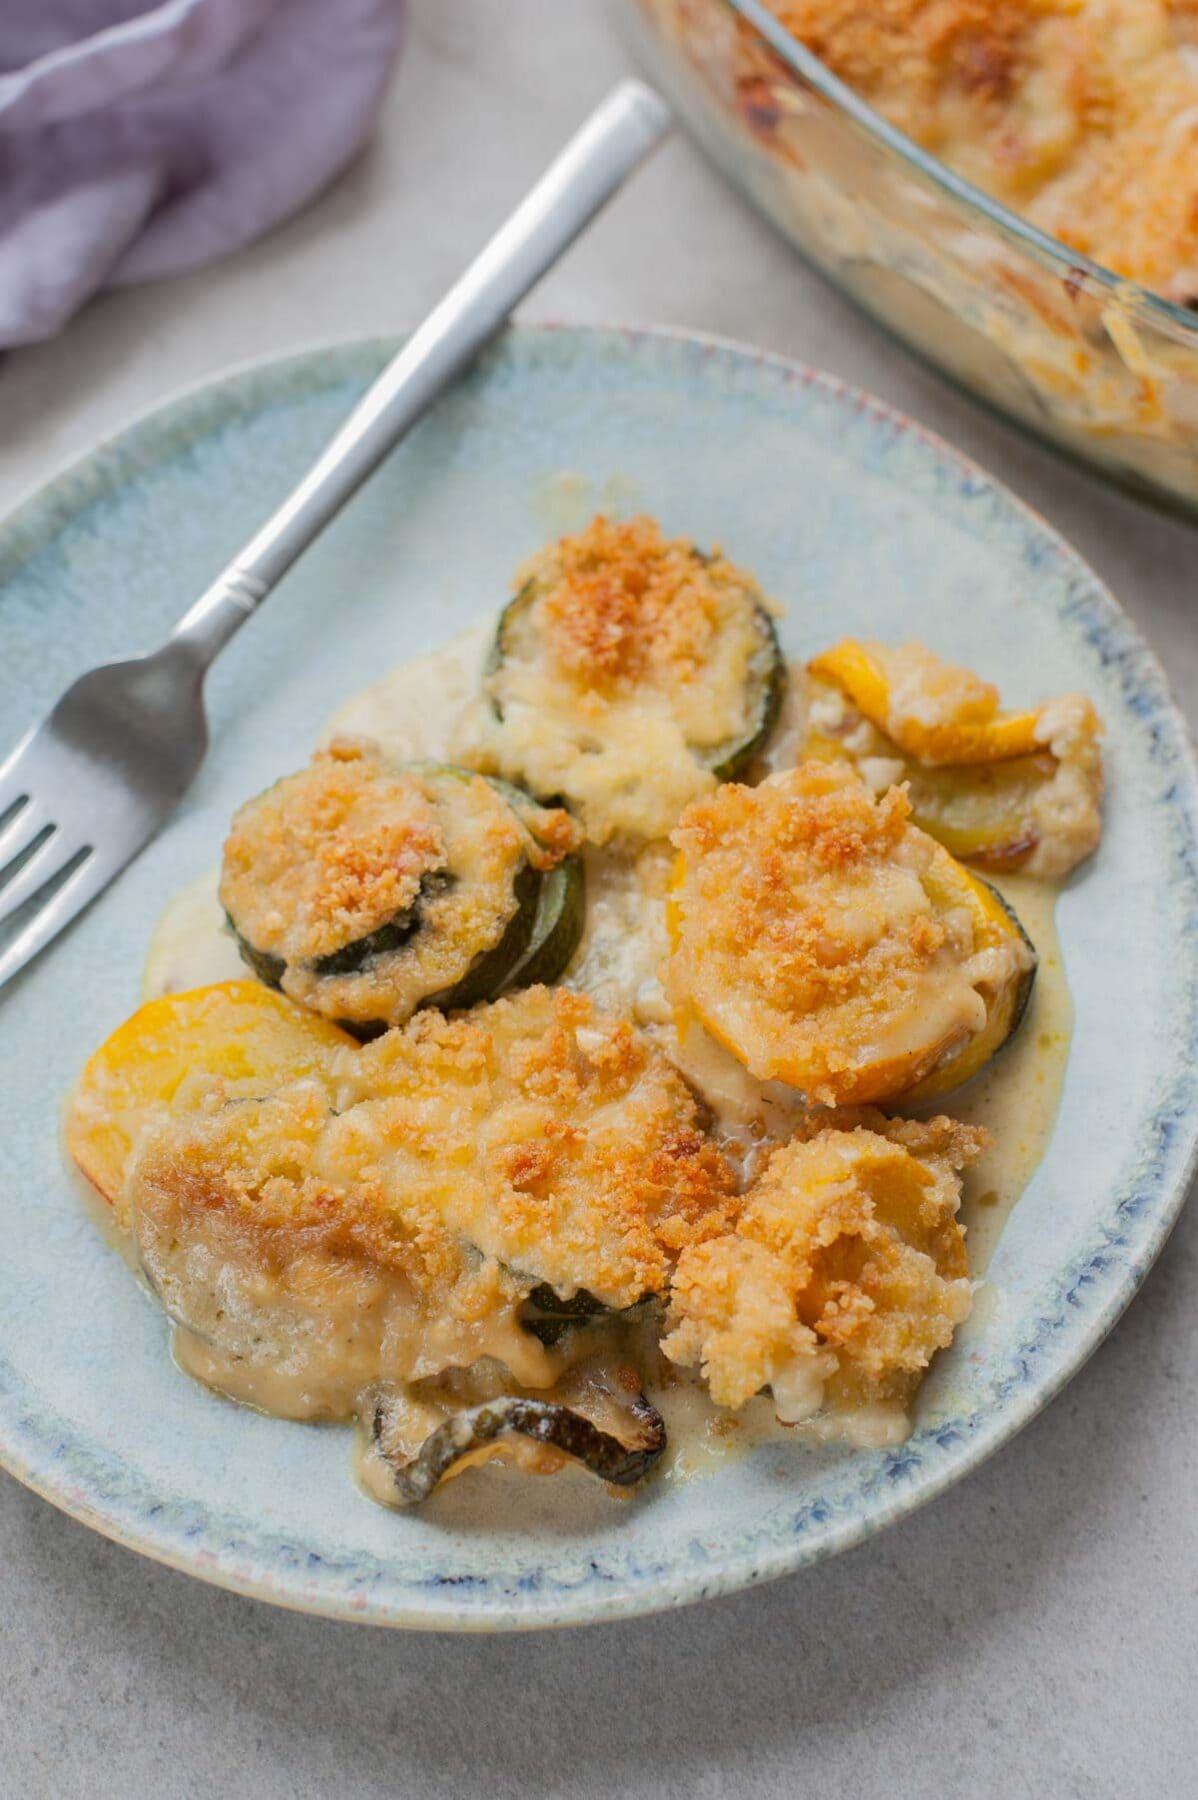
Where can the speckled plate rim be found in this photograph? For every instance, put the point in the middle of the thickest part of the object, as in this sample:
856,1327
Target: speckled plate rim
1092,1291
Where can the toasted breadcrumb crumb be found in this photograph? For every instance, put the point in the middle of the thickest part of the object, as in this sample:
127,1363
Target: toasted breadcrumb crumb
816,937
627,656
535,1132
844,1275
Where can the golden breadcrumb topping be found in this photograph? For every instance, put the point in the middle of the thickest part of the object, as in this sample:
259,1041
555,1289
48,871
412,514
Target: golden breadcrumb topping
330,854
628,660
1082,114
824,940
278,1172
352,845
236,1039
534,1133
844,1276
299,1280
622,607
558,1139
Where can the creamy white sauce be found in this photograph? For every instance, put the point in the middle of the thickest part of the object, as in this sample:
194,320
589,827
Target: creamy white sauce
191,946
411,713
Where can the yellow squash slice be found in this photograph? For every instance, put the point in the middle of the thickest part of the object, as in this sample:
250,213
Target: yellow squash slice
1007,790
237,1031
829,944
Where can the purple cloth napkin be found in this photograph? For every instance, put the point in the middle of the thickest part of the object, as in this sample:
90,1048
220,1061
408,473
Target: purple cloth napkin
140,140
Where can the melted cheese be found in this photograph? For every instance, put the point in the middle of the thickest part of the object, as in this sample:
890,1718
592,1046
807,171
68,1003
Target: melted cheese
844,1276
328,855
827,942
353,846
385,1215
628,661
618,963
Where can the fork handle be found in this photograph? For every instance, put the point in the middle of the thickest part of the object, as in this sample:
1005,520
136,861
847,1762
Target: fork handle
577,184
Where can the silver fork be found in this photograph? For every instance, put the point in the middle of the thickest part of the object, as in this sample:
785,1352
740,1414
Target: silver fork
88,787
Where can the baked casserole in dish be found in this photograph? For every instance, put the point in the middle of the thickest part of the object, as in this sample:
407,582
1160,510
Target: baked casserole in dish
1010,185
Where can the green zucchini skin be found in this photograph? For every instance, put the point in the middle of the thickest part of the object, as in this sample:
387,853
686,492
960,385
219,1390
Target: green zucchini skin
557,928
558,924
520,602
732,758
269,969
727,760
391,936
548,1317
1022,993
537,943
580,1305
544,1422
485,977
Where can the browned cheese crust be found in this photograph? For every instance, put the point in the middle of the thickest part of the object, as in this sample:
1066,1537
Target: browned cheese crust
626,608
816,934
330,854
626,656
353,845
845,1274
531,1140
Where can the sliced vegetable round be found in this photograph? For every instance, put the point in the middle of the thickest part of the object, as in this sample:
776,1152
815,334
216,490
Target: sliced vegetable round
830,944
365,890
995,922
931,709
1005,790
236,1033
468,1435
628,675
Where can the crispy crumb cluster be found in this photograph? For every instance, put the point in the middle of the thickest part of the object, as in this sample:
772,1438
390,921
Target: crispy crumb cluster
844,1275
535,1133
330,854
624,608
625,662
824,940
365,889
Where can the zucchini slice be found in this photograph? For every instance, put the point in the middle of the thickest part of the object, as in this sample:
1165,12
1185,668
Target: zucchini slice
366,890
1004,790
468,1435
549,1318
830,944
629,674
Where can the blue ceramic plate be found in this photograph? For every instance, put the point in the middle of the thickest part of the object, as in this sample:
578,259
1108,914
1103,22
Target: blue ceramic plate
860,522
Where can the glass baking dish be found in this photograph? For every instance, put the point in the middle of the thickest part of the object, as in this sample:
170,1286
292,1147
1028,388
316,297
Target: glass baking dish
1098,365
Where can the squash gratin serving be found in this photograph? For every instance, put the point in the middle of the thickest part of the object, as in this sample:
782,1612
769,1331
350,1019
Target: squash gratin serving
583,1072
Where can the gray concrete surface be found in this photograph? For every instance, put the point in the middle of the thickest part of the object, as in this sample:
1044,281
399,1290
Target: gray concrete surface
1034,1633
